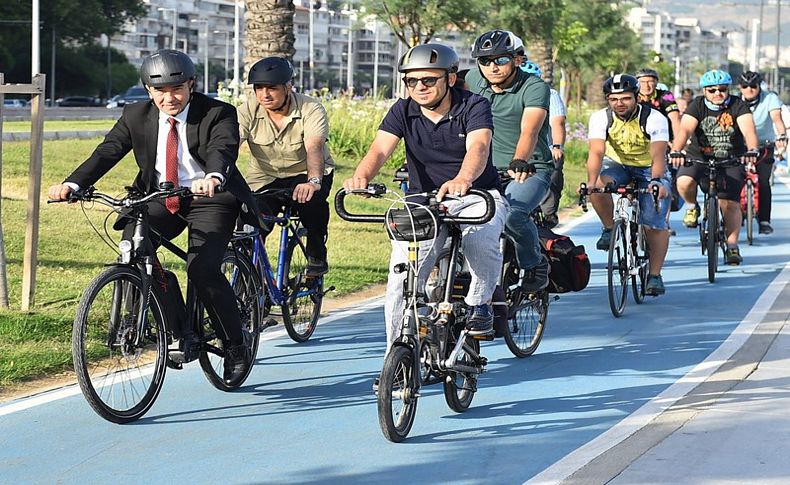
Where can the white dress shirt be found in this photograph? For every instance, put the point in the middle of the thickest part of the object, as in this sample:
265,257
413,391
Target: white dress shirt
188,169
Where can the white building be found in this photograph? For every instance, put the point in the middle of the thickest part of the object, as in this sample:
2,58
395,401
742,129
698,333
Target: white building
656,31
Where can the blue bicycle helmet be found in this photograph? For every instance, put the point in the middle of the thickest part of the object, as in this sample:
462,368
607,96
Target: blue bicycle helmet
715,78
531,68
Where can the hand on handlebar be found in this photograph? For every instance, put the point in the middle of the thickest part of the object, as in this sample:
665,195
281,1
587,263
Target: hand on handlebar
750,157
59,192
355,183
677,158
206,186
457,187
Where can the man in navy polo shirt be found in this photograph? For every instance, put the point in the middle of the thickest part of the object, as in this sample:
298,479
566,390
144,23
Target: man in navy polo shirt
447,132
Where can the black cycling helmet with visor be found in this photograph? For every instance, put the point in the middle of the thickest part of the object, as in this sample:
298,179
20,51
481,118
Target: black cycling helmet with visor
750,78
620,83
167,67
497,43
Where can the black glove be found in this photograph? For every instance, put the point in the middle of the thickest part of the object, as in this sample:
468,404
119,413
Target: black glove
519,166
680,155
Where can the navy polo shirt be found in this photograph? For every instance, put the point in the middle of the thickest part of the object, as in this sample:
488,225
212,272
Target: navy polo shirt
435,151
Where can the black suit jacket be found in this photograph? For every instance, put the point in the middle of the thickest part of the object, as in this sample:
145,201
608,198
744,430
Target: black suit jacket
212,136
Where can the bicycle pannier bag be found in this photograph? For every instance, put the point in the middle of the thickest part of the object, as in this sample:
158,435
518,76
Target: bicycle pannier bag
570,266
419,226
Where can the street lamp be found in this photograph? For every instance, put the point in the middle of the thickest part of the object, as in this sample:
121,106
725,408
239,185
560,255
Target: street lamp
227,45
205,52
175,23
236,28
352,16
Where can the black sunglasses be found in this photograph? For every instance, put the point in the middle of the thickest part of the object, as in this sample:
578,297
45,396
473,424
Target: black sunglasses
753,86
428,82
717,90
499,61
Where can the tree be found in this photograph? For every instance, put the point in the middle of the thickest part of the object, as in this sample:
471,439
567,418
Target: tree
269,30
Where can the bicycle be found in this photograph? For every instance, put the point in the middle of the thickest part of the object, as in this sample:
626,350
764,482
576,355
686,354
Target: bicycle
711,230
750,201
299,296
434,345
629,256
124,325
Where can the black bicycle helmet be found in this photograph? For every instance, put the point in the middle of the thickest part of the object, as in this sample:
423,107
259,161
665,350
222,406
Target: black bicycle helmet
166,67
750,78
271,71
429,56
620,83
646,72
497,43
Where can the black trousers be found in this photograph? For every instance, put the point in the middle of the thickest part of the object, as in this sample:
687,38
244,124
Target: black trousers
210,221
765,165
313,213
551,203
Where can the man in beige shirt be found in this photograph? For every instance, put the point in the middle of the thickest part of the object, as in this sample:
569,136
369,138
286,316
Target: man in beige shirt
287,133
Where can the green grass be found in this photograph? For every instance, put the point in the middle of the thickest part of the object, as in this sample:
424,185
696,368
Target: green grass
55,125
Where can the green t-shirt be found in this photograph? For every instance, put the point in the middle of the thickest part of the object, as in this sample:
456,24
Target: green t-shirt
508,107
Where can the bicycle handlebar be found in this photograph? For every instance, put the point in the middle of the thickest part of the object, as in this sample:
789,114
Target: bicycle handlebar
378,190
623,191
713,162
131,200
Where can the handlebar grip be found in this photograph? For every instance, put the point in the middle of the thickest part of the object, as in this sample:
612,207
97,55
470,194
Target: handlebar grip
490,209
340,208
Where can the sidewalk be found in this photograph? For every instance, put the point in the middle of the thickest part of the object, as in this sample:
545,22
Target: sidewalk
732,428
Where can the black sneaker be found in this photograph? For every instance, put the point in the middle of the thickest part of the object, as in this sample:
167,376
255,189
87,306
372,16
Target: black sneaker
238,358
654,286
765,227
604,240
733,256
537,278
481,321
316,267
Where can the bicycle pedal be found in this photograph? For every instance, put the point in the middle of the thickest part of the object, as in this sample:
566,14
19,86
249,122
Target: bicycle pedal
268,323
174,365
484,337
177,358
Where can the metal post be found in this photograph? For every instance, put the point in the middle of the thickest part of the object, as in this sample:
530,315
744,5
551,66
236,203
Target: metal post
51,71
778,44
760,35
236,81
33,194
311,46
109,69
3,278
376,59
175,27
755,58
35,58
205,59
349,70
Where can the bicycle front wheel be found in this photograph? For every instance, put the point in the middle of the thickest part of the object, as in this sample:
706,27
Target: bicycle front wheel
397,397
242,277
304,295
526,321
618,269
749,216
642,258
120,364
711,241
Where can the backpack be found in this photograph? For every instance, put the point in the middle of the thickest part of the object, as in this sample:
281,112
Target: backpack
644,113
570,266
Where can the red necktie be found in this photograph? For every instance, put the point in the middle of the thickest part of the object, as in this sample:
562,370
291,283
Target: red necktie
171,164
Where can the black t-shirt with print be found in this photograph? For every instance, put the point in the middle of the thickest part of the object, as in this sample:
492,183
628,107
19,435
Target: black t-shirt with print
717,132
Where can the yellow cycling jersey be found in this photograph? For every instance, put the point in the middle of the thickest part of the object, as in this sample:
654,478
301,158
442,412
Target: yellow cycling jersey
627,144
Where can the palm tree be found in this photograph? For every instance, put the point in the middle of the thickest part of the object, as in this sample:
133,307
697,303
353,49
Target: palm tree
269,30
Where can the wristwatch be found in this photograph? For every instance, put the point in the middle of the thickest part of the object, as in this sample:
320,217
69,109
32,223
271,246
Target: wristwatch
557,146
314,180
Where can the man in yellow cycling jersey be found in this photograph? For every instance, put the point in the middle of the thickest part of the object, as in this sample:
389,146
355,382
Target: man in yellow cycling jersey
628,143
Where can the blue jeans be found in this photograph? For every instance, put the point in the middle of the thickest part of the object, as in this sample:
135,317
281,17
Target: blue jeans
648,216
524,198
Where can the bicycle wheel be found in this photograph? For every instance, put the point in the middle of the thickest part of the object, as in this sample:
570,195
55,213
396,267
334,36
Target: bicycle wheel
304,296
642,257
618,269
397,399
238,269
749,216
460,387
711,241
119,378
526,322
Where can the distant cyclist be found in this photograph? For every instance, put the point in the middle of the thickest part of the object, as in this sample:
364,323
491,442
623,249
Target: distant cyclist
557,115
721,126
767,111
660,100
622,150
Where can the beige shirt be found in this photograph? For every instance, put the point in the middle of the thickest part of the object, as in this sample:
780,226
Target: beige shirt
277,153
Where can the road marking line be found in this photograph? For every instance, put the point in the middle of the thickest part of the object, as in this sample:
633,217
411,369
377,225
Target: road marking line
577,459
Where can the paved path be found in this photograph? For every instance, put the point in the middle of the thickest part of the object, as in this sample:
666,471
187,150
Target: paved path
307,415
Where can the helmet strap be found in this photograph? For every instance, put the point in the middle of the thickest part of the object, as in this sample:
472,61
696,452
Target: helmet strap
284,104
446,90
506,81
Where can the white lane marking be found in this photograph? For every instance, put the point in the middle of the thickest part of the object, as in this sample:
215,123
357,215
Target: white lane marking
583,455
566,227
73,389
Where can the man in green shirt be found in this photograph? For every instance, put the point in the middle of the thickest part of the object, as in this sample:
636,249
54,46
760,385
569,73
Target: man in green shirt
520,105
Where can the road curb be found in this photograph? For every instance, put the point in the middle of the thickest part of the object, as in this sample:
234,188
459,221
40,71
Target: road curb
56,135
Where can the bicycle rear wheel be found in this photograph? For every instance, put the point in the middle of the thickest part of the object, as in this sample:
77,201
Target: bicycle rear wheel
618,269
460,387
749,216
711,241
642,258
119,378
242,277
397,399
304,295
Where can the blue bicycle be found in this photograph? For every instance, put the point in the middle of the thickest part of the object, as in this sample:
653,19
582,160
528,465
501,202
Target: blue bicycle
298,295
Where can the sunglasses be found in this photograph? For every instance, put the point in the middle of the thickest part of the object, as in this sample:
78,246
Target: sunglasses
752,86
717,90
499,61
428,82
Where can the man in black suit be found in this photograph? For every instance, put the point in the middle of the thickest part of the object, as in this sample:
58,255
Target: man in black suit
193,141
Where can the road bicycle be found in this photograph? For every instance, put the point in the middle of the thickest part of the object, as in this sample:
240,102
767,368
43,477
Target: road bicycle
133,310
298,295
629,257
434,345
750,201
711,229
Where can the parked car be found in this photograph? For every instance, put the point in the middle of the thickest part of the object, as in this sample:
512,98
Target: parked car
132,95
14,103
78,101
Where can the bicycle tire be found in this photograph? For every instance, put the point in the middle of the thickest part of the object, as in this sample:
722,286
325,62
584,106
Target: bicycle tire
712,235
460,387
246,286
397,384
526,322
304,295
119,380
749,219
642,258
617,269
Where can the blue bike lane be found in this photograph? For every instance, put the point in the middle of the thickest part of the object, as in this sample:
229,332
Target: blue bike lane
307,413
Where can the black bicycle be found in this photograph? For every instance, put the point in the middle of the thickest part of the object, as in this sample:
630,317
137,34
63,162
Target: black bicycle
434,345
129,314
